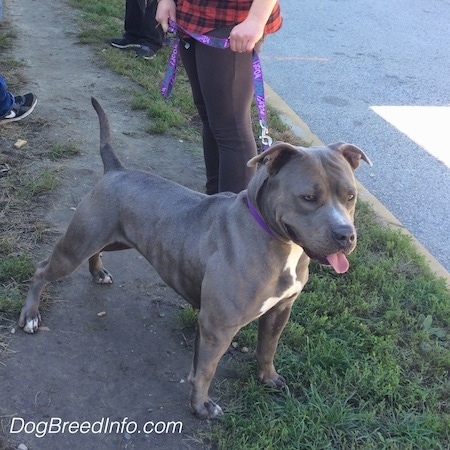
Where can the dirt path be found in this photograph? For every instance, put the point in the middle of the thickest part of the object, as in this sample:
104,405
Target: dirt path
129,365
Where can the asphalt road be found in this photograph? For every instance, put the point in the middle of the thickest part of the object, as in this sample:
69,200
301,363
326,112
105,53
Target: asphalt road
376,74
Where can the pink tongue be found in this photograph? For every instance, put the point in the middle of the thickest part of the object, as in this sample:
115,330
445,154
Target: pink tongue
338,262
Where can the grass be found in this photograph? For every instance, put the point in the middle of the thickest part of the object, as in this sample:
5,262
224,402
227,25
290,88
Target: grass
366,355
6,39
187,317
20,234
41,183
21,191
14,271
63,150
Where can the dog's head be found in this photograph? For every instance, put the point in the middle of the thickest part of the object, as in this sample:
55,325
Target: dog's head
308,196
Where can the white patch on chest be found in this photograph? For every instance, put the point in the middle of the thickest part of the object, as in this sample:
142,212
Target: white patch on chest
296,286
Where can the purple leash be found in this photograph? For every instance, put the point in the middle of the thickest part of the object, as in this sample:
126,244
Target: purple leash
258,82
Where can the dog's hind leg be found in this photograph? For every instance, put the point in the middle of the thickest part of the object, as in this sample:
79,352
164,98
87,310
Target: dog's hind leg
81,241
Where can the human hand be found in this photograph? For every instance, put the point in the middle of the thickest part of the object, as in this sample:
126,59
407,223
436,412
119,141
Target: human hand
244,36
166,10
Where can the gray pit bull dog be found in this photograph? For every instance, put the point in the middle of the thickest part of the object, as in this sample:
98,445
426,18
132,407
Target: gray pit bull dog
235,257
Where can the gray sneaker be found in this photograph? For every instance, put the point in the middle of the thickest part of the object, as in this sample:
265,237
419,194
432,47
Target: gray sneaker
22,107
124,44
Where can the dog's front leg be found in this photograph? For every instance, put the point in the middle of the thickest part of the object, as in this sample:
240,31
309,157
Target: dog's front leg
270,327
30,319
210,345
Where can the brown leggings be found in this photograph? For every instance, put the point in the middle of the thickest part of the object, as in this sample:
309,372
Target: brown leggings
222,88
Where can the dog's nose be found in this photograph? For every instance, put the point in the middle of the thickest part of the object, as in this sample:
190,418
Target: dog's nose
344,235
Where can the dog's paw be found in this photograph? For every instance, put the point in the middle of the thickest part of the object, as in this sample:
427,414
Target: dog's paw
214,410
30,324
102,276
209,410
274,380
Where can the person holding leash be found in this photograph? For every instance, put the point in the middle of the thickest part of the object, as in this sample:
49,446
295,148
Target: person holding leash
221,79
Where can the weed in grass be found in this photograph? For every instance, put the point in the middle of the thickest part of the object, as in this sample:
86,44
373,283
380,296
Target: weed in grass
42,183
11,302
65,150
17,268
6,39
6,245
14,270
187,317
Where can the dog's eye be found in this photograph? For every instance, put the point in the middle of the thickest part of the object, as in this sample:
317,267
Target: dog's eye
350,197
309,198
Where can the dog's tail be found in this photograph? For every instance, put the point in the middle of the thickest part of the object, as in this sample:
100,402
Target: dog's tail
110,160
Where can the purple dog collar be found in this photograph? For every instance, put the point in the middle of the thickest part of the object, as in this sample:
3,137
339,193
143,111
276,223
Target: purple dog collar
259,219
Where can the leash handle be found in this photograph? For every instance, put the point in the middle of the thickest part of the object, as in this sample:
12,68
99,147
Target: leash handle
171,72
260,100
258,81
204,39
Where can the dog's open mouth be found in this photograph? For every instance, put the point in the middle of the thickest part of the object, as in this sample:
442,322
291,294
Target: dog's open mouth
338,261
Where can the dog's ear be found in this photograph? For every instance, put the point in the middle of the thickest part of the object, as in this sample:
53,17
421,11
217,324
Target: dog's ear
351,153
275,157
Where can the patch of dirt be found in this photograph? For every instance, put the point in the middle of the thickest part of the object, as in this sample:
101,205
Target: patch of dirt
129,365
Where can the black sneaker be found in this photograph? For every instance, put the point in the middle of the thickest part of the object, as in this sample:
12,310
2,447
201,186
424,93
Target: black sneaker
145,52
22,107
124,44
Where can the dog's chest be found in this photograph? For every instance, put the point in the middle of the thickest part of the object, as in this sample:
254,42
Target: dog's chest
293,284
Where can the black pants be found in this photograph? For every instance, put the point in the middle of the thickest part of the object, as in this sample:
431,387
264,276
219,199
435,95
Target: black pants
222,88
140,23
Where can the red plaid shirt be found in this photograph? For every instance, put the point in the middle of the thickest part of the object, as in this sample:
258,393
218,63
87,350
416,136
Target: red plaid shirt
202,16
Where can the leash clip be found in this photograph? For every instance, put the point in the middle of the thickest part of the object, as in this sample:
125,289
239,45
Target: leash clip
266,140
